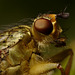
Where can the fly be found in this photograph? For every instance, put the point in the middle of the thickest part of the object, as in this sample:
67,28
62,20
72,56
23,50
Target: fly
20,48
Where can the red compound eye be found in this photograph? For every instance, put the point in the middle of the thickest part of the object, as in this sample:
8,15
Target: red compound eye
43,26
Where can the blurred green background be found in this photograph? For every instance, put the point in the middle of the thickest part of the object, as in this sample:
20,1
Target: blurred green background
12,11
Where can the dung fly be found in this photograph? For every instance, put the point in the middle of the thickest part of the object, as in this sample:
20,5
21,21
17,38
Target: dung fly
21,48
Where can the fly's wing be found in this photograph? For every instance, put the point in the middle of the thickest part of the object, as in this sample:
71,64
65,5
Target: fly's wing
25,21
12,36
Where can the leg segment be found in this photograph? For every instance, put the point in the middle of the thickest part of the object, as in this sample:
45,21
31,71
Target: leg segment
45,67
61,56
38,66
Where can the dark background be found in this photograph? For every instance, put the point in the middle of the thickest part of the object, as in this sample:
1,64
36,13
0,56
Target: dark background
12,11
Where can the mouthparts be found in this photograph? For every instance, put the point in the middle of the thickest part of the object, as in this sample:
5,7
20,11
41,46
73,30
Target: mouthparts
60,42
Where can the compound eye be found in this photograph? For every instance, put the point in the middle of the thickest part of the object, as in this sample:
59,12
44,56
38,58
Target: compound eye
43,26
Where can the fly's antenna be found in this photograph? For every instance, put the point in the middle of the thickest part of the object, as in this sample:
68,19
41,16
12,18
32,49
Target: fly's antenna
65,9
63,14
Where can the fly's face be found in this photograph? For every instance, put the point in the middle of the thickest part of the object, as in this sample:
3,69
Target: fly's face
46,25
20,46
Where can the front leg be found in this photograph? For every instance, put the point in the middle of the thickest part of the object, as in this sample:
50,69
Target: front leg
61,56
38,66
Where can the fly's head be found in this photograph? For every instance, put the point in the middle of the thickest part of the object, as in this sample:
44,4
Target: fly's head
46,25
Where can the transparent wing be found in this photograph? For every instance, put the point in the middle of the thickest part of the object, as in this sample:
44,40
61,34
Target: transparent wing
25,21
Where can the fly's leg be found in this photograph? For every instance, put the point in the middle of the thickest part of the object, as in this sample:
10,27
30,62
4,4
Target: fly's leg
61,56
45,67
39,66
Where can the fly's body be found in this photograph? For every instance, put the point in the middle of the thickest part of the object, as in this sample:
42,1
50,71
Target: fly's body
20,46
